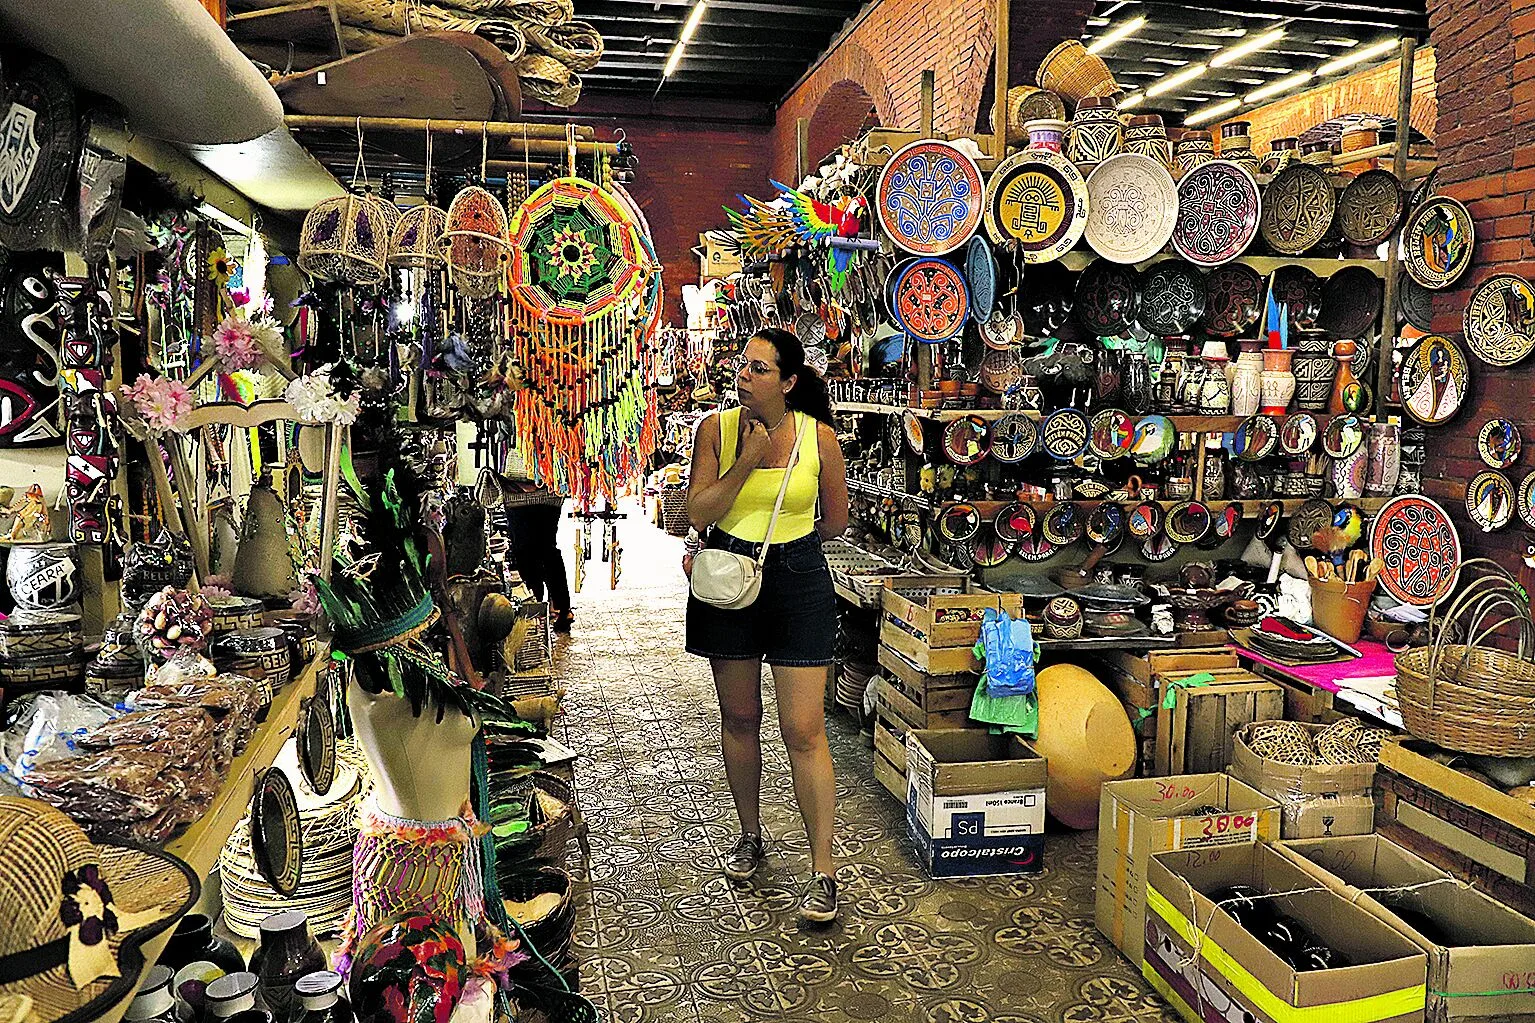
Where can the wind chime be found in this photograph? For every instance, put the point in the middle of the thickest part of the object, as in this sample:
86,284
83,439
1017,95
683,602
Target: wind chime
584,289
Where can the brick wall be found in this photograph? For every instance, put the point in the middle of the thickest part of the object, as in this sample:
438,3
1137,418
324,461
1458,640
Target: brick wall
1365,92
887,50
1485,136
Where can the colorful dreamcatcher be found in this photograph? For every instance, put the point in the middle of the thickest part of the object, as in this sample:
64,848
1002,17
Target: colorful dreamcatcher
582,306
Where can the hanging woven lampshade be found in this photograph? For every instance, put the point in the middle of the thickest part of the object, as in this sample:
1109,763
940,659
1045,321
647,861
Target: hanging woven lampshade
474,242
414,240
346,239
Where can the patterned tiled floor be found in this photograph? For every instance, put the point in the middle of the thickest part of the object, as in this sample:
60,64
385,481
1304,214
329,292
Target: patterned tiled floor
664,937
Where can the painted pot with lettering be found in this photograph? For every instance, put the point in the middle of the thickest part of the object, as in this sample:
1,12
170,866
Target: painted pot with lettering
43,575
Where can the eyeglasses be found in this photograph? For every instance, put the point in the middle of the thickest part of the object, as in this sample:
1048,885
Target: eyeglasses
754,367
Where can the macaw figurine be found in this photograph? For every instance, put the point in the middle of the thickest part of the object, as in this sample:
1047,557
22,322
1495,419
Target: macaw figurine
763,229
817,221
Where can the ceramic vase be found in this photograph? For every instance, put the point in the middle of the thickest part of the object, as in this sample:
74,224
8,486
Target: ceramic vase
1194,148
1135,384
1095,133
1317,154
1146,135
1348,474
1191,380
1313,380
1343,354
43,575
1247,480
194,940
1278,382
1385,444
1047,133
1236,145
1282,152
287,952
154,1002
1214,392
1214,475
1247,384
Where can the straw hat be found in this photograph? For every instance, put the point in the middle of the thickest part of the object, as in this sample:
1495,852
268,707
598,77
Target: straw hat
73,915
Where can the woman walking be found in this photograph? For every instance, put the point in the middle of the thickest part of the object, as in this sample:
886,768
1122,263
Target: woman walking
739,459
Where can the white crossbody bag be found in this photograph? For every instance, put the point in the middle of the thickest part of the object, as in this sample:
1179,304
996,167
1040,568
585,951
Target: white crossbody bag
728,580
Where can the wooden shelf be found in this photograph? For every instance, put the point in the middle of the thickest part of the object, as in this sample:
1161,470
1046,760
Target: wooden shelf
1250,506
867,407
1184,424
1078,259
200,844
860,487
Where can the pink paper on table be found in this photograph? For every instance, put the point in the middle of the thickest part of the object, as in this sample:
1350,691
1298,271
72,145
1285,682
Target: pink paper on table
1375,662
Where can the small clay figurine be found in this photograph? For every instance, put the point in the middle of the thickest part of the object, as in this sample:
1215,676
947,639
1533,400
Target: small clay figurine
31,523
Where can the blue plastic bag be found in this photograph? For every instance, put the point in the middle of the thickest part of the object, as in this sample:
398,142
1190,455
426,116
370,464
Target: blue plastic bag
1008,648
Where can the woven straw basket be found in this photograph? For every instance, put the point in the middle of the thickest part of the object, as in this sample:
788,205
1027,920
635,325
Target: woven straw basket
1469,696
1025,103
1073,73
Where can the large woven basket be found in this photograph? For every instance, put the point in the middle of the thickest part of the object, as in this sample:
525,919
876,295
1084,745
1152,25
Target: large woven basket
1470,696
1074,74
1025,103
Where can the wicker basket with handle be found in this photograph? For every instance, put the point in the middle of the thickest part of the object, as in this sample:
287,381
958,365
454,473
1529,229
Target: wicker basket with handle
1025,103
1074,74
1470,696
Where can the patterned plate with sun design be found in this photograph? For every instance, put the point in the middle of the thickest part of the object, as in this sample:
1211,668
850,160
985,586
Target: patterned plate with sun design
1037,200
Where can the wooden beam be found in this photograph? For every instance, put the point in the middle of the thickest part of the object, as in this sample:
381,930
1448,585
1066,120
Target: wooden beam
494,129
1001,13
1399,165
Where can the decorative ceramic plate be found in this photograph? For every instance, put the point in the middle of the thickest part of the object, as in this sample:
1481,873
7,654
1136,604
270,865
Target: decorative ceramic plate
958,523
1014,437
1158,548
1089,488
1435,377
1154,439
1438,239
1001,371
1035,548
1144,520
277,841
929,197
1414,302
1172,298
1298,433
1527,500
1300,290
988,549
1297,209
1218,213
1106,523
1490,500
981,276
1188,522
1038,199
1355,396
1500,320
931,301
1344,436
1064,523
1224,525
1113,431
1417,542
1001,331
1131,208
1106,298
1499,443
316,742
1351,303
1256,438
1015,521
966,441
911,429
1046,302
1308,518
1371,207
1233,299
1064,434
1268,521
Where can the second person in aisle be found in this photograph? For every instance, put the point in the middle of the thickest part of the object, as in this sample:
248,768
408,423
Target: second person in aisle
740,455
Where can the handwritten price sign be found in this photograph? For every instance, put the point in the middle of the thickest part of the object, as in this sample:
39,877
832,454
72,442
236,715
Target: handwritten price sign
1174,789
1227,824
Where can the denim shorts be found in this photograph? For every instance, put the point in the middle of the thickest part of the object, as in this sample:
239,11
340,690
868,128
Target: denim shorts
793,621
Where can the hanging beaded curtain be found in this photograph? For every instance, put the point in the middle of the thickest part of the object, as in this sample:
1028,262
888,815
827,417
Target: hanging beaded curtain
580,276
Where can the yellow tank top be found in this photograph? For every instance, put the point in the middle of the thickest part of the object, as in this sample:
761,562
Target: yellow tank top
748,517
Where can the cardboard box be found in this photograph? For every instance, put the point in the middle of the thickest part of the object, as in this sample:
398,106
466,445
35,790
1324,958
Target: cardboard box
975,802
1319,800
1486,974
1141,816
1197,957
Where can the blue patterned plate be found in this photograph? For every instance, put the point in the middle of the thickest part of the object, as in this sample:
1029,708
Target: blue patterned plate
981,274
929,197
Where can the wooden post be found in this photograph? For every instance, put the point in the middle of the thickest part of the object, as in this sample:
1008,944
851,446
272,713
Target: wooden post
193,511
924,355
802,156
1399,168
999,107
330,496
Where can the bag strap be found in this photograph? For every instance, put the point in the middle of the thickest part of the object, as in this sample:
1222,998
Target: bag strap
783,488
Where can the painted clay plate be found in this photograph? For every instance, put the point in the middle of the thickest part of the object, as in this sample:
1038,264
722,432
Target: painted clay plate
981,275
958,523
1064,523
1500,320
1131,208
1233,299
1297,209
1344,436
1014,437
1158,548
1035,548
316,742
930,197
1037,199
931,301
1351,303
277,841
1000,331
1355,396
1218,213
1298,433
966,441
1000,371
1113,431
1269,519
1414,301
1065,434
1438,239
1371,207
1527,500
1415,539
1144,520
1090,488
1015,521
988,549
1172,298
1188,522
1499,443
1300,290
1490,500
911,429
1308,518
1106,298
1256,438
1435,377
1154,439
1106,523
1224,525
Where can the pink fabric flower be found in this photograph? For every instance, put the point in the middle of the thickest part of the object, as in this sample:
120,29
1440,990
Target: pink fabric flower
161,403
306,600
215,592
235,342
